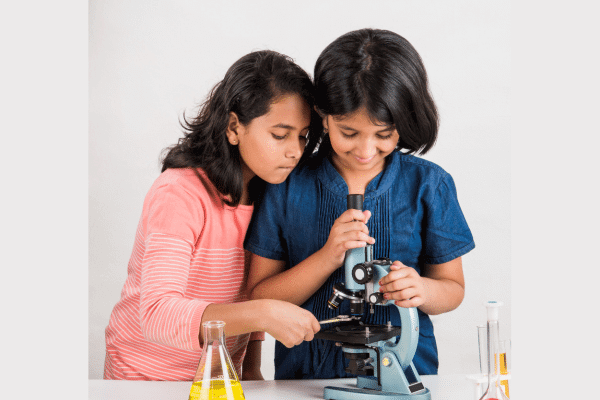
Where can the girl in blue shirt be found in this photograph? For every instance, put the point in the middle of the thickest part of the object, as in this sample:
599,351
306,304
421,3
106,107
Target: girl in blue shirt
373,97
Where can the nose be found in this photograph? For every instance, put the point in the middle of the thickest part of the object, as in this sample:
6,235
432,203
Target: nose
295,148
366,148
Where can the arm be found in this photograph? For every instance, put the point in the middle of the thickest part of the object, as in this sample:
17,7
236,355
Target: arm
441,287
268,278
251,366
286,322
439,290
167,316
444,285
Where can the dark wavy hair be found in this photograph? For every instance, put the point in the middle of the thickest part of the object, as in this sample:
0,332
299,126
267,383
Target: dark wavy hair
382,72
248,89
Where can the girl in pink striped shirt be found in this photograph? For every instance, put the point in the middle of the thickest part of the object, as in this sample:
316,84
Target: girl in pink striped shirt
188,264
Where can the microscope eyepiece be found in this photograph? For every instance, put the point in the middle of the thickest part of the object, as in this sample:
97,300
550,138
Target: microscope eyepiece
355,201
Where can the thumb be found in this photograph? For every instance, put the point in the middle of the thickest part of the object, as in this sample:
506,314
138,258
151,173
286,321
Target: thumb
367,215
396,265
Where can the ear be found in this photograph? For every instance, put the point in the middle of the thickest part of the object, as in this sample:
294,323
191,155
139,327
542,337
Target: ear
233,129
323,119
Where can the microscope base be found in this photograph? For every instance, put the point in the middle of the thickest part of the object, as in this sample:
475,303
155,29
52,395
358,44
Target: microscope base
339,393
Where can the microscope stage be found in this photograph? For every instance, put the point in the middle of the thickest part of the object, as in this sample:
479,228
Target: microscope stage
357,334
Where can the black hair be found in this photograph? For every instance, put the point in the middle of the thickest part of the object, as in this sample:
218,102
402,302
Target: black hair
248,89
382,72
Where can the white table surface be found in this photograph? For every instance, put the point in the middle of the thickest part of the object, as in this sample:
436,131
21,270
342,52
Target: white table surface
442,387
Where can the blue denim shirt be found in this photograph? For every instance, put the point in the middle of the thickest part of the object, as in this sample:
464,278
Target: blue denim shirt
416,219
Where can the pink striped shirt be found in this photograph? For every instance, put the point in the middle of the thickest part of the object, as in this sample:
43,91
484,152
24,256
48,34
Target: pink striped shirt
188,253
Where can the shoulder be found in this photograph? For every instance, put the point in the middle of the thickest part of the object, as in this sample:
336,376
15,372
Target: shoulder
183,183
418,171
418,177
177,204
421,166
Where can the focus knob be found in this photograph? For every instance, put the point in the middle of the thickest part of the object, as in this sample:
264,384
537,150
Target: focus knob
362,273
375,298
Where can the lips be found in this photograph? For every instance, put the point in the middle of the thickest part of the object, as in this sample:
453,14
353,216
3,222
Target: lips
364,160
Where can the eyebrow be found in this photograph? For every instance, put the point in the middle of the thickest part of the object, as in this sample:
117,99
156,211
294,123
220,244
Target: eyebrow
389,128
288,127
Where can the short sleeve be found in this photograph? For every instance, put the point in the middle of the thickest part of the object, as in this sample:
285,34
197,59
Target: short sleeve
265,235
446,235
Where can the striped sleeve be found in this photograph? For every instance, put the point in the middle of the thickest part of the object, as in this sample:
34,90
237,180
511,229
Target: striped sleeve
166,316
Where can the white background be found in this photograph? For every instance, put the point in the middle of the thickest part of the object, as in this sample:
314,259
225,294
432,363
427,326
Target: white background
151,61
46,188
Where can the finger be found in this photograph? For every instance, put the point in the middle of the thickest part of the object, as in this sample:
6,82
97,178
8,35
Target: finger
316,327
393,276
351,226
357,235
396,265
367,214
413,302
404,294
396,285
309,336
352,215
354,244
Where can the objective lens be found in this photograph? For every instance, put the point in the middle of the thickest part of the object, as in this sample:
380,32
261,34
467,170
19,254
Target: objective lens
334,301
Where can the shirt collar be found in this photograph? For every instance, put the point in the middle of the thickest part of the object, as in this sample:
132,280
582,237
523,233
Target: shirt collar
332,179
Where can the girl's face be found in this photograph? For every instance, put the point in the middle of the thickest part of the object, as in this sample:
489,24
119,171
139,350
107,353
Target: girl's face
359,145
271,145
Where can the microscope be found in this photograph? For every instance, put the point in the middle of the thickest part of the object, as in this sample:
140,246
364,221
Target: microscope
380,355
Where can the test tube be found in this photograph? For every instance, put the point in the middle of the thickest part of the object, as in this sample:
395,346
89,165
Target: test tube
494,390
483,356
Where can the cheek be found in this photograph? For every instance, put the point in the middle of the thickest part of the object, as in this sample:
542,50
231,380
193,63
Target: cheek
261,149
339,145
269,151
389,145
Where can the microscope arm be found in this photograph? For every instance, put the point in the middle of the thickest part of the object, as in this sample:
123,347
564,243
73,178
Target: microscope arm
409,318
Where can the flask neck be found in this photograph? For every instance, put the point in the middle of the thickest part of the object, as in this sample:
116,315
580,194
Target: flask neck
214,332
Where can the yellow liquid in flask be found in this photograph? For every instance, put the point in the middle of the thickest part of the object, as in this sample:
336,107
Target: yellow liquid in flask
217,391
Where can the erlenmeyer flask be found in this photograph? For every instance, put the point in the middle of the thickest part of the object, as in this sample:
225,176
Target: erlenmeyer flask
215,377
494,387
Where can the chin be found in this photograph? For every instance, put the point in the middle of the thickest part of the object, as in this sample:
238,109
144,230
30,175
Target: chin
274,180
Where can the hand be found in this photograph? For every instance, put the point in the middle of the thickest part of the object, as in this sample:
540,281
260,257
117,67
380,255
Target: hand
404,285
349,231
288,323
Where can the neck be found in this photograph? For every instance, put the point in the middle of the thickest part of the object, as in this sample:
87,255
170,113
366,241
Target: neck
357,181
247,176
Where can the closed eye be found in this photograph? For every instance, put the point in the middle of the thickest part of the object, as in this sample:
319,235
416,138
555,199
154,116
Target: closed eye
386,136
278,137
